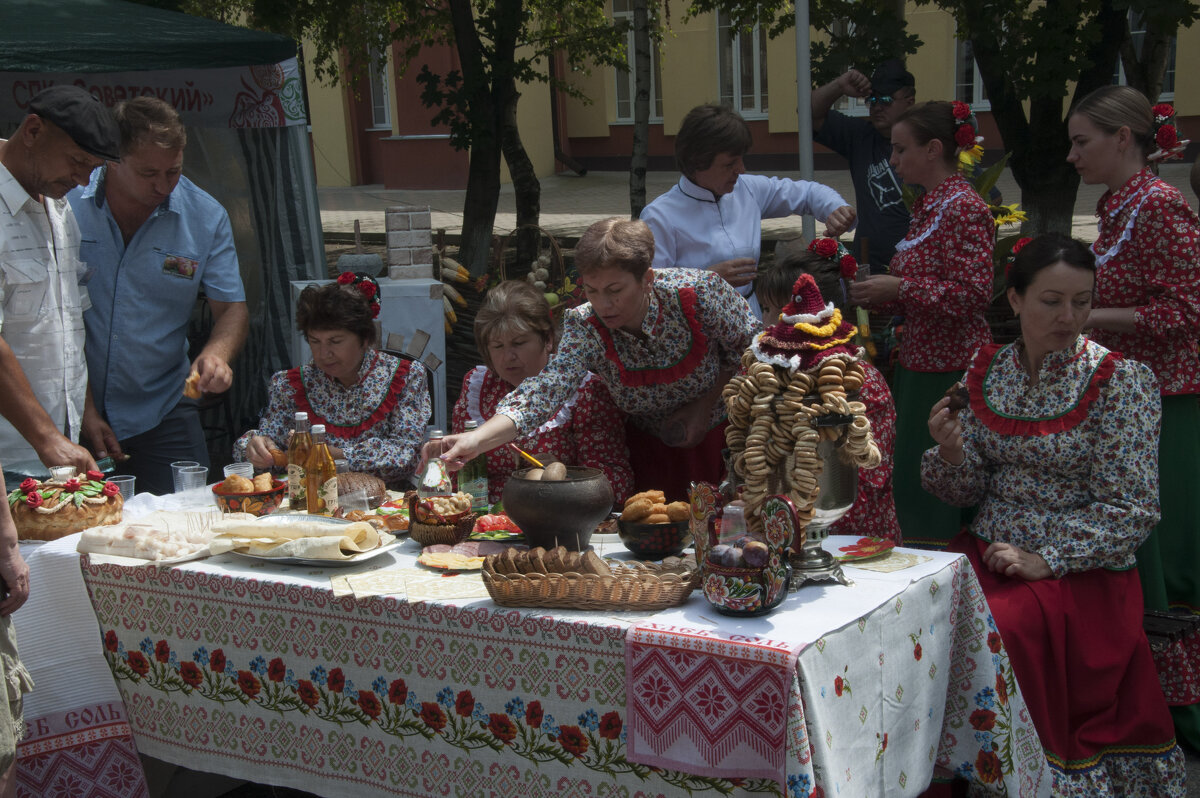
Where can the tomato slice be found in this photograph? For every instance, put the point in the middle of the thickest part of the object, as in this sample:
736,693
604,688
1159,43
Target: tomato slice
496,522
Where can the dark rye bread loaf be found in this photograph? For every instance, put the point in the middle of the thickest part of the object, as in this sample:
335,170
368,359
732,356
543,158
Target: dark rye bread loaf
373,486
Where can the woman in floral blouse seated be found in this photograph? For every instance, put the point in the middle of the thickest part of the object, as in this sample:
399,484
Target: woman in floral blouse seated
941,282
874,511
515,334
374,406
1059,448
664,343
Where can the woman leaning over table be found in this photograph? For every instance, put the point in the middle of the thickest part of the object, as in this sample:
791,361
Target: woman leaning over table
941,281
515,335
1058,448
664,343
374,406
1148,308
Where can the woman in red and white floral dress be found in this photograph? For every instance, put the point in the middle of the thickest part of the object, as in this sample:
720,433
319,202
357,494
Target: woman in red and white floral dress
373,405
941,281
664,343
1054,448
1148,308
515,335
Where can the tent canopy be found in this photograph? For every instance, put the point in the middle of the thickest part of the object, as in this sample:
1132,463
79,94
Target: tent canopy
240,94
116,36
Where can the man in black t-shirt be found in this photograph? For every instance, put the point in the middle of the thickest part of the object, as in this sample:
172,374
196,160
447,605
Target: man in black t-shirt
866,144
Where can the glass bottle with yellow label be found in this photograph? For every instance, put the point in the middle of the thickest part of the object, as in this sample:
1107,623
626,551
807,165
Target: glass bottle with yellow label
299,448
321,475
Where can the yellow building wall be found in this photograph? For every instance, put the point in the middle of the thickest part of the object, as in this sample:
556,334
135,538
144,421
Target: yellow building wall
933,64
689,68
330,115
1187,64
592,119
781,84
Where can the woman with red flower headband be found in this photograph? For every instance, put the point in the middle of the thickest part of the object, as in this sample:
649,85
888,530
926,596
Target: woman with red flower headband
941,282
873,513
1053,447
374,406
1148,308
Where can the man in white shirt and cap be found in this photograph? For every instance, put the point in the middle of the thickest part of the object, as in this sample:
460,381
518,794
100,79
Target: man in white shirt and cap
43,374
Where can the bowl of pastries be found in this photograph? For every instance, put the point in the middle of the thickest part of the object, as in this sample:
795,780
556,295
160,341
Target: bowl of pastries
652,528
258,496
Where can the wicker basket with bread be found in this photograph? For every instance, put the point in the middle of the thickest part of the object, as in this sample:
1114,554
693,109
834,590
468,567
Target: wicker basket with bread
585,581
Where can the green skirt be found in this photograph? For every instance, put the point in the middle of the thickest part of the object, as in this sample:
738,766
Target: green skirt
1178,532
1169,562
924,519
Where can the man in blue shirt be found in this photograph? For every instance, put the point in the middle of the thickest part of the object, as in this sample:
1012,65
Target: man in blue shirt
866,143
152,240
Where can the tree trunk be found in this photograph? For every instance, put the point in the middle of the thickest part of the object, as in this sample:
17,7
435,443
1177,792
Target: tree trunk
479,205
483,175
526,187
1146,70
642,77
1048,183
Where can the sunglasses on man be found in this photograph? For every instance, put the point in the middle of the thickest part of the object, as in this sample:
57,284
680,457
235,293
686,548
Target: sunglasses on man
876,99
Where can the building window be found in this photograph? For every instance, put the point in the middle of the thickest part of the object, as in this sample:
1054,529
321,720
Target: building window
1137,32
626,80
968,85
381,106
742,67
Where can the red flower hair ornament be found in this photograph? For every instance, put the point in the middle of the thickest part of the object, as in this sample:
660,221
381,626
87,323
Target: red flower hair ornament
366,285
1012,256
831,248
1166,135
966,127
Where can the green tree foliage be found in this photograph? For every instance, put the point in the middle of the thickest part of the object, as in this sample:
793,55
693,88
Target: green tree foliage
854,32
1029,55
500,44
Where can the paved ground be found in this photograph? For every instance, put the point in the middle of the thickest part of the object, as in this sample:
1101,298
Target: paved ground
570,203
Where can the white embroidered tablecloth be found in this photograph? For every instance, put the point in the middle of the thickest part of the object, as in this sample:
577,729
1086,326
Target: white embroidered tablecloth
77,739
882,682
261,672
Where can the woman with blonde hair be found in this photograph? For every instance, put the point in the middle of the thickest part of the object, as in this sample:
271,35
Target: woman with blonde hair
515,335
1147,307
663,342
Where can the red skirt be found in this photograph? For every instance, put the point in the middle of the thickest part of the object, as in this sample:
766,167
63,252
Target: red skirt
657,466
1081,661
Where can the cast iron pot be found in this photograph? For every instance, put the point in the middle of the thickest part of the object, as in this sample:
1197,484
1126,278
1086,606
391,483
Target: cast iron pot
562,513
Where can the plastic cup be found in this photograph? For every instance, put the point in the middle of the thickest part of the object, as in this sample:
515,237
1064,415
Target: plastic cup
176,467
62,473
242,469
190,477
125,483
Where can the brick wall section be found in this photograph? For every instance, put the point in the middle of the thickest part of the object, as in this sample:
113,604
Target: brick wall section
409,242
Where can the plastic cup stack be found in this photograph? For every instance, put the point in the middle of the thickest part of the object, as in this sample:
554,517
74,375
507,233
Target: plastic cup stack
125,483
178,466
242,469
190,477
